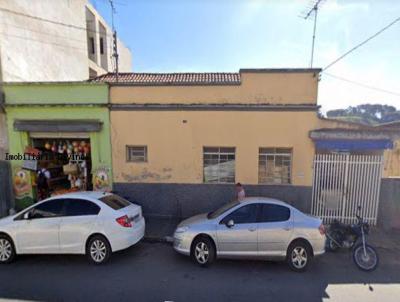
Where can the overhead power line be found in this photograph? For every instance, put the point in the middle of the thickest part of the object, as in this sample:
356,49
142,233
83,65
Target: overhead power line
52,21
41,32
44,42
361,44
362,84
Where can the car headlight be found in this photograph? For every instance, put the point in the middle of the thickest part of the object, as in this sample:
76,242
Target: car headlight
182,229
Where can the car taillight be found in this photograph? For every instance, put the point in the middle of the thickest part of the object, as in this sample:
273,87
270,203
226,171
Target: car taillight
124,221
321,229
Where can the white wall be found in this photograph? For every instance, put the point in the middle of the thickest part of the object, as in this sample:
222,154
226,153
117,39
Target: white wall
32,49
36,50
125,58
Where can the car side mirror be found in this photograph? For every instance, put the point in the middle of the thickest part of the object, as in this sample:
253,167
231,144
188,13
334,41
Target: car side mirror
230,223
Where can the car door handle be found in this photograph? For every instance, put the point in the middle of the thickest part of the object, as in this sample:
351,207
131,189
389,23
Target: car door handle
252,229
286,229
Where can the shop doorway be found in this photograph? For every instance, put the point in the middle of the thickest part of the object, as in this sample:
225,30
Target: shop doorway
65,161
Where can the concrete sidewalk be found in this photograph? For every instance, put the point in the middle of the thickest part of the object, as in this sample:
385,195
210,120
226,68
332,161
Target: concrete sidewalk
161,229
389,240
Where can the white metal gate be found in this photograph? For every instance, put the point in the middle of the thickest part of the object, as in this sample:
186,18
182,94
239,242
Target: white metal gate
342,182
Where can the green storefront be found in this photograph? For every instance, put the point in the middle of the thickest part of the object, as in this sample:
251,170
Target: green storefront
63,128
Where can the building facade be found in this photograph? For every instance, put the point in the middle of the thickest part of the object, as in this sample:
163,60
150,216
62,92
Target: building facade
63,128
181,141
177,143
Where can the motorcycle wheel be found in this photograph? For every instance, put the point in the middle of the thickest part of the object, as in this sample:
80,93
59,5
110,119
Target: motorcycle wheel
366,262
331,245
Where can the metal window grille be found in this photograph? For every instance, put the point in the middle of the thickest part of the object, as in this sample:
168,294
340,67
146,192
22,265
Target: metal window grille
137,154
274,165
219,164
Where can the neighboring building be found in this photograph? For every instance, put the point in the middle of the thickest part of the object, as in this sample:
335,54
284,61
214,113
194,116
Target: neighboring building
392,156
190,136
55,41
59,40
68,122
180,141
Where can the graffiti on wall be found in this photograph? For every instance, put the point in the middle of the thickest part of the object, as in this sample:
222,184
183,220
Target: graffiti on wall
101,179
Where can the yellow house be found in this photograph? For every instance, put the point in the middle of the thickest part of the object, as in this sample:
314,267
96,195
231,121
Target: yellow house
180,141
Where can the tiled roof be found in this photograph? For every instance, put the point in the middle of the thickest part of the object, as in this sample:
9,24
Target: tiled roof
187,78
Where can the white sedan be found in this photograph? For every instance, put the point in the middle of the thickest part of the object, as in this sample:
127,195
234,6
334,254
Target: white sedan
91,223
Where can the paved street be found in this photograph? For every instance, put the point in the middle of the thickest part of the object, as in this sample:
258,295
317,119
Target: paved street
154,272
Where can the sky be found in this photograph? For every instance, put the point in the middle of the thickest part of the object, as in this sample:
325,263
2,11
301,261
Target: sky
226,35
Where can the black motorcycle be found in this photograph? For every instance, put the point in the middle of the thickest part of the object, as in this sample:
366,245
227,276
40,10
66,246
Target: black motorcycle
341,235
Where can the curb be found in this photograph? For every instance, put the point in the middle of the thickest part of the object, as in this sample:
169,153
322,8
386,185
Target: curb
152,239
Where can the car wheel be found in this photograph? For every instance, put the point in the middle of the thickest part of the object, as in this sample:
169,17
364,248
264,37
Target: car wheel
7,250
299,256
98,250
203,251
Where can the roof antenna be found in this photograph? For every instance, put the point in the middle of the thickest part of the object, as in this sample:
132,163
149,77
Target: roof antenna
313,8
115,40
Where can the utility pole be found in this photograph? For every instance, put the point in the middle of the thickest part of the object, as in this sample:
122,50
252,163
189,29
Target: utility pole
314,9
115,41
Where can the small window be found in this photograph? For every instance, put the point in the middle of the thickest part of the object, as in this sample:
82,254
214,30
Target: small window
115,202
48,209
92,45
274,213
274,165
245,214
80,207
101,45
136,154
219,164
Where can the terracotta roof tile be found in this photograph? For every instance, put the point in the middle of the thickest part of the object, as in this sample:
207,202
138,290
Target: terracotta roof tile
209,78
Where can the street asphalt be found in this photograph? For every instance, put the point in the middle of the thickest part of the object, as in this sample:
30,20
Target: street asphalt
154,272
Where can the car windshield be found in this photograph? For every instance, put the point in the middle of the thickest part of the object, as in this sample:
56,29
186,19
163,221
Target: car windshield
222,209
114,201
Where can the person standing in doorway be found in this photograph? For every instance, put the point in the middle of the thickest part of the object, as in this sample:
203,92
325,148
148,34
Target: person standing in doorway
42,182
240,193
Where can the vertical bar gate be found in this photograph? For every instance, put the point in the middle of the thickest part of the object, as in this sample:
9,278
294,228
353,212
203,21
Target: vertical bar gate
342,182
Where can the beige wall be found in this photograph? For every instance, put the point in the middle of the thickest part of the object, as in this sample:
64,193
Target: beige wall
258,87
175,148
392,161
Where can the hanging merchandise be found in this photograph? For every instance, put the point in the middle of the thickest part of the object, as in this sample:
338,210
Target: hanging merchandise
60,148
70,169
68,162
54,147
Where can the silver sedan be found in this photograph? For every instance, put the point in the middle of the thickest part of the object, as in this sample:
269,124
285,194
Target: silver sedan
256,228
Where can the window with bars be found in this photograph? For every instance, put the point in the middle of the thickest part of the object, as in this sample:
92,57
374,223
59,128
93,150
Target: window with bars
274,165
136,154
219,164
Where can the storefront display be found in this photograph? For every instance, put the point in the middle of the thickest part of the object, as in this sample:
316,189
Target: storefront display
68,123
68,162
